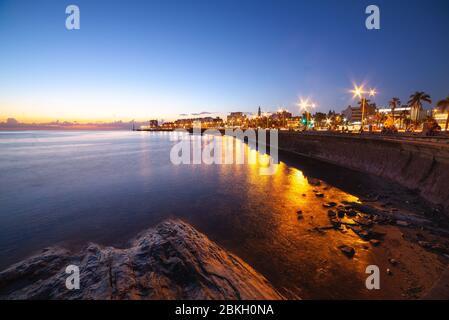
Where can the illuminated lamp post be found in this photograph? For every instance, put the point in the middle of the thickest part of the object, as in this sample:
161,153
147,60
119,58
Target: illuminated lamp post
360,93
306,106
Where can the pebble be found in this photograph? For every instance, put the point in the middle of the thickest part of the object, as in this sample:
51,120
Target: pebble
348,251
402,223
352,213
329,204
393,261
331,213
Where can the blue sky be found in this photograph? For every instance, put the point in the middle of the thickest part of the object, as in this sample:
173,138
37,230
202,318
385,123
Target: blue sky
144,59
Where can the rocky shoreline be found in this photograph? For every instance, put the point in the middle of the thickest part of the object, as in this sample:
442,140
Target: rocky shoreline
170,261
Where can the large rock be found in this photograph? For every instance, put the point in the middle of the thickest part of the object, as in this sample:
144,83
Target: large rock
171,261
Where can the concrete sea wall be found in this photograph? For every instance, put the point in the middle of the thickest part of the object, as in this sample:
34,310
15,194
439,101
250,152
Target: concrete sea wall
417,163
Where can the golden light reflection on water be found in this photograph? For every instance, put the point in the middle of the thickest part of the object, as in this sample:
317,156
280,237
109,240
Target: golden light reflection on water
277,199
269,223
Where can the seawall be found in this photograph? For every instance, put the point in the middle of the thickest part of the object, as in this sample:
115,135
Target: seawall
418,163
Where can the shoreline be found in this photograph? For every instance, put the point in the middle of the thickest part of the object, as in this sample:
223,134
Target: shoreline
372,224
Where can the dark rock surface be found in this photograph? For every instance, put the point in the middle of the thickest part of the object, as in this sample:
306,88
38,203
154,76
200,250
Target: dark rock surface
171,261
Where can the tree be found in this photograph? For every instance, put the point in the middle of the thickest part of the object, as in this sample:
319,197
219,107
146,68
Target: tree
380,118
394,103
443,105
319,118
417,98
402,116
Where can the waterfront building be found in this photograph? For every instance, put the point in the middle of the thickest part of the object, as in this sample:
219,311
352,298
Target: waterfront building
207,122
236,119
294,122
281,115
152,124
168,125
440,118
389,111
354,114
279,119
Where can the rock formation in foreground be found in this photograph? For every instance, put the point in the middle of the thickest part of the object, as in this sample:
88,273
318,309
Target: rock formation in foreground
171,261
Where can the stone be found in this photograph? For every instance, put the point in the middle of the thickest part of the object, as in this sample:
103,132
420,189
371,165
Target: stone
348,251
375,242
364,221
335,222
331,213
402,223
365,235
351,213
170,261
393,261
319,194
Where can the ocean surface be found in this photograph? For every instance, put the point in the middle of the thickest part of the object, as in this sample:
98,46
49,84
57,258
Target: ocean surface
71,188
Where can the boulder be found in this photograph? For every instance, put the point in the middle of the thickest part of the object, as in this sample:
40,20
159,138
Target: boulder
171,261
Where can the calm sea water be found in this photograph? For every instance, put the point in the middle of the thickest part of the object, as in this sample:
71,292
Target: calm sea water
71,188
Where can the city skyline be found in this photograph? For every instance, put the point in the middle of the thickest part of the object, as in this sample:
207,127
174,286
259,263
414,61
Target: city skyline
165,59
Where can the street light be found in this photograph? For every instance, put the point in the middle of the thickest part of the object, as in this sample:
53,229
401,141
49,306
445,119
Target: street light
359,92
305,105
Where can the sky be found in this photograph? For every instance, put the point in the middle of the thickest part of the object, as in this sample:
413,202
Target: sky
159,59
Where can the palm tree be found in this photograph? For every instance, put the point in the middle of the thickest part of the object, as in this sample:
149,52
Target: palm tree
417,99
443,105
394,103
402,115
407,123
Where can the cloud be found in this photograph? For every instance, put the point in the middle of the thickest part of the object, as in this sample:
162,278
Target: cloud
201,113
